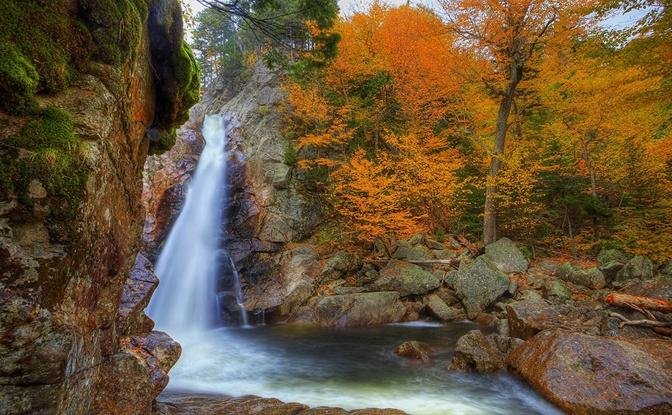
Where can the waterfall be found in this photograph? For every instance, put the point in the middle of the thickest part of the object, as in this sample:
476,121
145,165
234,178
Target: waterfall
188,267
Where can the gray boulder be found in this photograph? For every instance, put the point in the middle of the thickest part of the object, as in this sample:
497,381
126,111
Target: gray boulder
639,267
412,252
339,265
610,262
590,278
611,255
406,279
479,284
361,309
475,352
438,309
556,289
506,256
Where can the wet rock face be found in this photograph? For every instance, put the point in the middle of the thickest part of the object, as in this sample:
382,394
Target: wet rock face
585,374
476,352
531,316
63,265
414,350
179,404
361,309
165,180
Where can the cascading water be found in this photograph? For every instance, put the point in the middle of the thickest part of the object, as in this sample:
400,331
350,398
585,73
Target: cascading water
350,368
186,299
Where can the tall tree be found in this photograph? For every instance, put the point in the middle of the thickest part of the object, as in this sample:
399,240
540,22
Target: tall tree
509,34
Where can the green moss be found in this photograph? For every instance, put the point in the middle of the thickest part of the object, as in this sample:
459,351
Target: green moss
48,150
164,141
187,75
116,27
177,95
35,41
18,80
54,40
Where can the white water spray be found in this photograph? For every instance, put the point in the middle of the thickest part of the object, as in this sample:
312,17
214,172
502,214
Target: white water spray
186,298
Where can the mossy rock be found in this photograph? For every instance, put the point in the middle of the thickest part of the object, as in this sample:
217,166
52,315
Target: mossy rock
47,150
116,27
18,80
176,70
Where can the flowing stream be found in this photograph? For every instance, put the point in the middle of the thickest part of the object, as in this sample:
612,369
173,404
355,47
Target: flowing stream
349,368
185,303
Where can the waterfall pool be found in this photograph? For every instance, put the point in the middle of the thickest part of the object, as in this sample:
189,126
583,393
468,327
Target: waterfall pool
349,368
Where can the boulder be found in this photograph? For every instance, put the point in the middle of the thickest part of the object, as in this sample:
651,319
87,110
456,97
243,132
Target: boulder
288,287
406,279
607,256
639,267
340,265
135,296
437,308
140,370
418,239
298,289
506,256
476,352
667,270
448,295
360,309
409,251
182,403
529,317
414,350
585,374
590,278
556,289
479,284
660,287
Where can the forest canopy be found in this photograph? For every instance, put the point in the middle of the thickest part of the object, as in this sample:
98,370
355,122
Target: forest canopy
520,118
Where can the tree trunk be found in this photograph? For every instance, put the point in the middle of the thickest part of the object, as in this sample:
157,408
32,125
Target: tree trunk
490,211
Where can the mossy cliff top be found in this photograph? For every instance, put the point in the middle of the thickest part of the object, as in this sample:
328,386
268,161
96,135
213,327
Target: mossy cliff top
46,45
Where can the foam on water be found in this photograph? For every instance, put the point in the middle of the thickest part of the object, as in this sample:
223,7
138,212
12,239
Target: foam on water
353,368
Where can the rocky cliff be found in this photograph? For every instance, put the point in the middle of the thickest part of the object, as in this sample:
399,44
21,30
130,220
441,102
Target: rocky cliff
268,208
87,89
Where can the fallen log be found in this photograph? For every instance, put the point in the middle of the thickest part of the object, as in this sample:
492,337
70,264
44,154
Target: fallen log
648,303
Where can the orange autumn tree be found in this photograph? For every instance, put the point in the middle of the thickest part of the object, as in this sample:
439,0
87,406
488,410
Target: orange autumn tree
368,200
509,35
366,124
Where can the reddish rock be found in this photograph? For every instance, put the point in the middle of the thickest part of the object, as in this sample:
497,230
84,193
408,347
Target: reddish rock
585,374
414,350
140,370
362,309
185,404
135,296
529,317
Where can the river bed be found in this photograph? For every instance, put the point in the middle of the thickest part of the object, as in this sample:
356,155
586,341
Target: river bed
349,368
